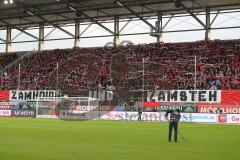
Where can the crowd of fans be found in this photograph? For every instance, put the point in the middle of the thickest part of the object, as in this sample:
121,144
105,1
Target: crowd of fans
6,60
214,65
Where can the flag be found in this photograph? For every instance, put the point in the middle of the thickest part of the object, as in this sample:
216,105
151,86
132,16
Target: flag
4,95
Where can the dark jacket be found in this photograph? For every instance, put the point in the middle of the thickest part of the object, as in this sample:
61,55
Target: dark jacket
174,115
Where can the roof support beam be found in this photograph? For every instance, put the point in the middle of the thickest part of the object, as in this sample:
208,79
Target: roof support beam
9,40
208,25
159,28
25,19
116,39
214,18
49,33
95,21
55,25
41,45
139,16
86,29
193,15
16,36
2,40
167,22
63,16
148,7
83,19
199,3
105,13
77,34
21,30
28,8
125,25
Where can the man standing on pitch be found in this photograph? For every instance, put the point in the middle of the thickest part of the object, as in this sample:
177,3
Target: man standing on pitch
173,123
139,113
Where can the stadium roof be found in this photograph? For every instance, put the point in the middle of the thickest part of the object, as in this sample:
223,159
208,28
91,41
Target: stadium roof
26,13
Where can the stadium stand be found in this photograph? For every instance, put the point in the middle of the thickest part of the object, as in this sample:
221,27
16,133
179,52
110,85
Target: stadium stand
6,59
167,66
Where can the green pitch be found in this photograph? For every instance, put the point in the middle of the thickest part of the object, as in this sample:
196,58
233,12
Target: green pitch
42,139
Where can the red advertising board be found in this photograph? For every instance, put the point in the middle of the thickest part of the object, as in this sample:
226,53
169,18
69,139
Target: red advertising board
222,118
4,95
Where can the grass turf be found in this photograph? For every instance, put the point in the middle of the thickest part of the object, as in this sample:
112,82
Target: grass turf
44,139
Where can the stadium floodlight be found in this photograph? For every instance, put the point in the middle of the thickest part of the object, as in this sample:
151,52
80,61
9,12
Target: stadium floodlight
73,9
6,2
119,3
30,13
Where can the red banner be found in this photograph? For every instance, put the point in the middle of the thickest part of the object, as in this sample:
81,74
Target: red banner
230,97
151,104
4,95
